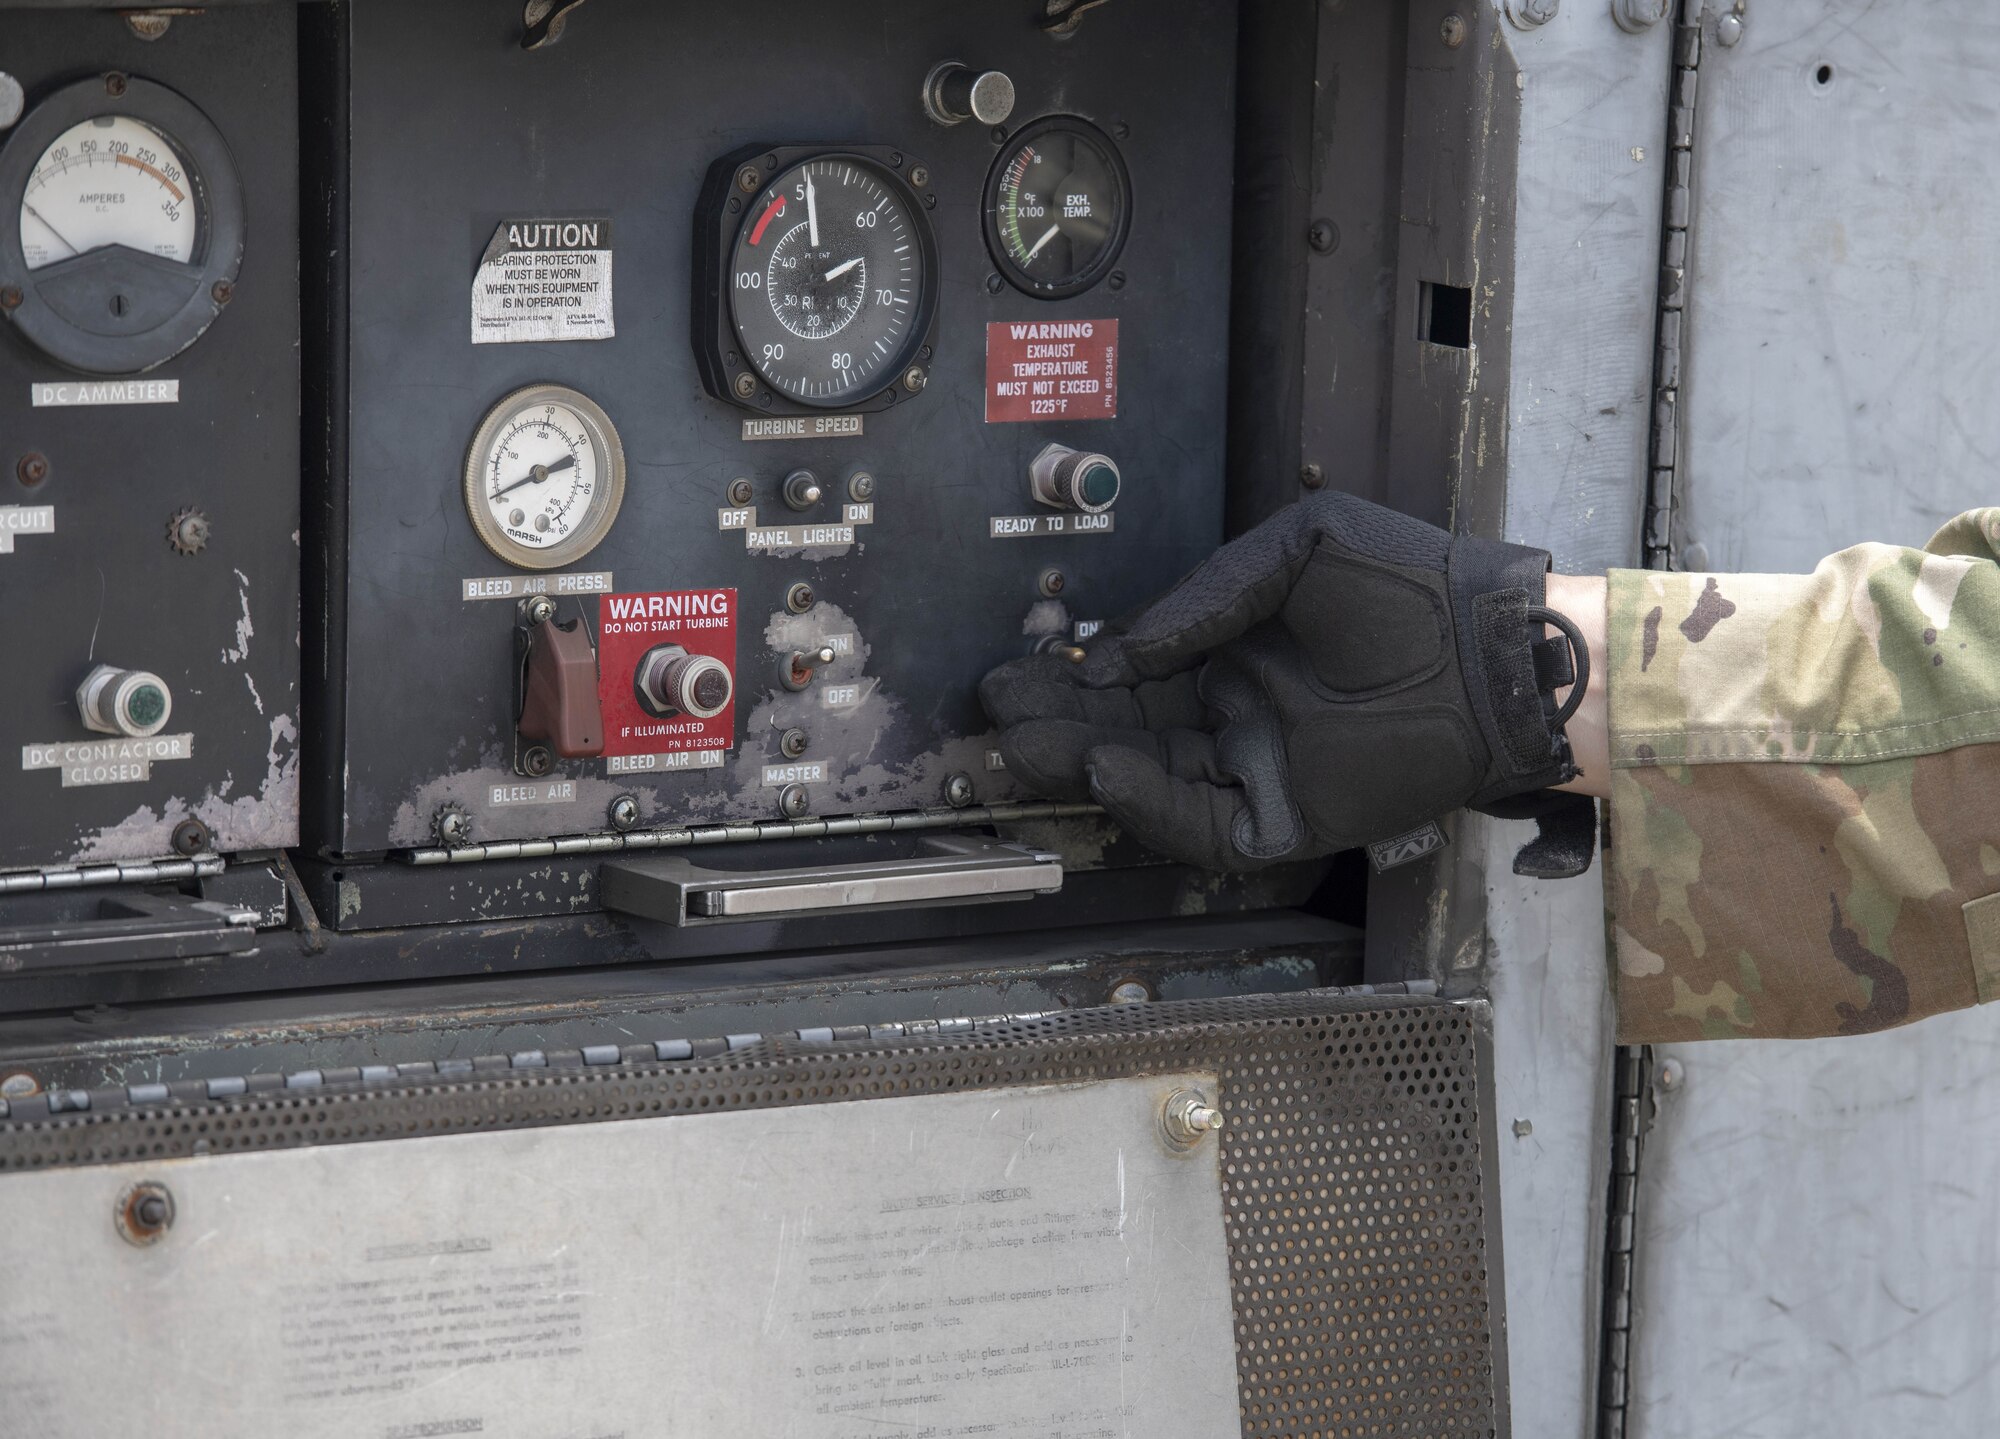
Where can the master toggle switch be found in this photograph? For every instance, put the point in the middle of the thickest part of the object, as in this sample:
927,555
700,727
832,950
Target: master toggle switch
125,702
1067,479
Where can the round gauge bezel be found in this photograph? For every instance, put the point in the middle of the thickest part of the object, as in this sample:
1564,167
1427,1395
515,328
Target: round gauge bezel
996,246
720,218
604,503
214,186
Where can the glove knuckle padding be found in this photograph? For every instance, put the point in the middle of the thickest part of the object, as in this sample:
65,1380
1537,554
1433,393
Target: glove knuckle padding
1367,628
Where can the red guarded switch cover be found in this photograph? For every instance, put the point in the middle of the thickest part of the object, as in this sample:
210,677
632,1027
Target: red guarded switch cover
631,627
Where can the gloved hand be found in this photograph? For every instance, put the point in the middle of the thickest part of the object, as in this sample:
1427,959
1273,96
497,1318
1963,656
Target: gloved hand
1337,676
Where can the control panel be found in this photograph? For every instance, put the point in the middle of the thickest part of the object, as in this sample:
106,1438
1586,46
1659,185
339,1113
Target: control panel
149,434
699,444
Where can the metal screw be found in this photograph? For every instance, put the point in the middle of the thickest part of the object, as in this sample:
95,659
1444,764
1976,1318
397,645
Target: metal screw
861,487
745,386
994,284
13,100
1323,236
1187,1118
1051,583
1729,31
1312,477
114,84
223,292
33,469
454,825
145,1213
188,531
1452,31
793,802
1671,1074
10,297
919,176
624,812
914,379
748,179
792,743
1130,991
1522,1129
539,610
149,27
999,133
191,836
1121,131
537,761
1116,280
799,598
958,791
19,1084
741,492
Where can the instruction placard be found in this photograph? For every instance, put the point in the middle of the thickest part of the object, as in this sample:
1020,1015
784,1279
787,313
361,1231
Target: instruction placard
1051,370
630,627
544,279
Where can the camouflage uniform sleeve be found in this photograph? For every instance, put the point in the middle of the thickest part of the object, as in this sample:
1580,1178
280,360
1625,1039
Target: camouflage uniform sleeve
1805,792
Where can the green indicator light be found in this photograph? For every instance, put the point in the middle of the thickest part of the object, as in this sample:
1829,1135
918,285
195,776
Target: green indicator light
147,706
1098,486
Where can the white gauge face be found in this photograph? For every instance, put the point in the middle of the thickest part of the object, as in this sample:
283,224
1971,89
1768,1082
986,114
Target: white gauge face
111,180
545,477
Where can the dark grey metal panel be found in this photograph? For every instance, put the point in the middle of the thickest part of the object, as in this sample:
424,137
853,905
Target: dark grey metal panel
1362,1234
221,626
423,683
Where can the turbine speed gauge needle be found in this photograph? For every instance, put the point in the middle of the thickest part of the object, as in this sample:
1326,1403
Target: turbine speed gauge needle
812,212
838,270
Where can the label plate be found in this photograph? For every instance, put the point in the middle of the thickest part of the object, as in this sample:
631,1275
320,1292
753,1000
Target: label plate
702,622
544,279
1008,1263
1044,370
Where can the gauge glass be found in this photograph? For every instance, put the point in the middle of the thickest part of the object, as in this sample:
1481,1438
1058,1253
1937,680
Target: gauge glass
111,180
544,477
828,280
1057,208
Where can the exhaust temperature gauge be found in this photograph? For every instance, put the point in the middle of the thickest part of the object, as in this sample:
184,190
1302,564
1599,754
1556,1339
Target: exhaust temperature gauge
1057,205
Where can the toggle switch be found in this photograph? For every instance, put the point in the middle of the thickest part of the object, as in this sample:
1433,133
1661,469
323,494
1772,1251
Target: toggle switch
127,702
803,489
955,93
559,690
1067,479
671,681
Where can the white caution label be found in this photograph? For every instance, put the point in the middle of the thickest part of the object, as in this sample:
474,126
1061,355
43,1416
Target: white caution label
546,279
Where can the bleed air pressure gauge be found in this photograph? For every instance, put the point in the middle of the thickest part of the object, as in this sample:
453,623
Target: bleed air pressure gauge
544,477
126,226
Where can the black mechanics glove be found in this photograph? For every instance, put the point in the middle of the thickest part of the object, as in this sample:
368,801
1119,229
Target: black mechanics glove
1340,675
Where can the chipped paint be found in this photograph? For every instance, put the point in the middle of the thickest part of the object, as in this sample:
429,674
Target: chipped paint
265,819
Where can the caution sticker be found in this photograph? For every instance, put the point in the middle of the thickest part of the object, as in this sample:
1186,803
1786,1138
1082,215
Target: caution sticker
653,640
1051,370
544,280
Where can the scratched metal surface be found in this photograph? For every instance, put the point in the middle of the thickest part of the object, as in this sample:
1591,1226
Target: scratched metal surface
1817,1249
1586,250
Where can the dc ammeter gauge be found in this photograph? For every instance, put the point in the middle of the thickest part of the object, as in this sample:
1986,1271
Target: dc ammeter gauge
126,228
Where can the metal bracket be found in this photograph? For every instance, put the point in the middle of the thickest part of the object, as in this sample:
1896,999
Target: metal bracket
1061,17
128,929
937,870
542,21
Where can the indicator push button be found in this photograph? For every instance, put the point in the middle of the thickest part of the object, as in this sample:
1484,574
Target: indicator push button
671,681
125,702
1067,479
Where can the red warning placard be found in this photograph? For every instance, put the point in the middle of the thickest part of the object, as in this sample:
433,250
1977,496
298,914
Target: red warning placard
664,640
1051,370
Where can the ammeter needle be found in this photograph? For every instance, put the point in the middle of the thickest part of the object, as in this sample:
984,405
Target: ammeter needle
50,228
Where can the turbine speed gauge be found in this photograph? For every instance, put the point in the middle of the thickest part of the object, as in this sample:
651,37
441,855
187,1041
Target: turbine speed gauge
824,285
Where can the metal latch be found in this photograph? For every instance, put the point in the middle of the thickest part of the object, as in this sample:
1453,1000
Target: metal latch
937,870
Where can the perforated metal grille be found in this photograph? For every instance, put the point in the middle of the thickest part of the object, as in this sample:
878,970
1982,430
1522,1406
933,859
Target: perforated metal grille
1352,1169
